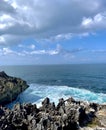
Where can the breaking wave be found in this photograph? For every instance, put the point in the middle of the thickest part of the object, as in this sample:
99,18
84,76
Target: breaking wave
36,93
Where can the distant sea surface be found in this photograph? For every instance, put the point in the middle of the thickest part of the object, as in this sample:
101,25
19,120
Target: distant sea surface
81,81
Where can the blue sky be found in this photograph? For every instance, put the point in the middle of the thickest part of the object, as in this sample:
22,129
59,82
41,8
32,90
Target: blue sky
52,32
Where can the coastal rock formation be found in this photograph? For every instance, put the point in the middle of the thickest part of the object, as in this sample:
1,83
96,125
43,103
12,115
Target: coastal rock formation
10,88
67,115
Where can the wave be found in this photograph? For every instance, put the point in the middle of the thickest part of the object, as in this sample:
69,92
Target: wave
36,93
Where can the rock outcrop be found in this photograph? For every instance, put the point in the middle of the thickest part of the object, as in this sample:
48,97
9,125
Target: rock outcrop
10,88
67,115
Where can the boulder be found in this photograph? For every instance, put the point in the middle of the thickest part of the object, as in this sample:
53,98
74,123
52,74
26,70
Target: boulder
10,88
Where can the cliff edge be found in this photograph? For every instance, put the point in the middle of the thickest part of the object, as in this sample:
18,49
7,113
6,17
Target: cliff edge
10,88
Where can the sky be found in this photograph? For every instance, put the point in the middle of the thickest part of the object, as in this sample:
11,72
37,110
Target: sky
52,32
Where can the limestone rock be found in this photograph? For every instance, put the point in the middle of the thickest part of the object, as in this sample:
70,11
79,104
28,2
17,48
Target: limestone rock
74,116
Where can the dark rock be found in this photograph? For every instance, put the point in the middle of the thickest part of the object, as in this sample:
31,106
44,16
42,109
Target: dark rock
10,88
94,106
71,116
3,75
82,116
61,103
46,101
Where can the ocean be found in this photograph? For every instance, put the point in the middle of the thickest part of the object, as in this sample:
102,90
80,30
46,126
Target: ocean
86,82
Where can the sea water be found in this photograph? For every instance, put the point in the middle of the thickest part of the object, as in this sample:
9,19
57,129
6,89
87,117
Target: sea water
82,81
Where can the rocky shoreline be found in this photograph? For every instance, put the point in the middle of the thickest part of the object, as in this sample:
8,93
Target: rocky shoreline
67,115
10,88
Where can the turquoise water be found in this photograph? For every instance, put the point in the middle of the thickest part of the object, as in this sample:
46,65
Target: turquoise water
83,82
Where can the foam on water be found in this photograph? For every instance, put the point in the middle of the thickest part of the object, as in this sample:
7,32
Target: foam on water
36,93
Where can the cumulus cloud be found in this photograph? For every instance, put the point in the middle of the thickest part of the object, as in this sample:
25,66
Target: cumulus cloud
97,22
20,19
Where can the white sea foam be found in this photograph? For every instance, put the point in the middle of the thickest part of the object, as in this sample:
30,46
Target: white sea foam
36,93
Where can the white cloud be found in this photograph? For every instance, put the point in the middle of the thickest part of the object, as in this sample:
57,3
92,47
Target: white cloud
20,19
7,51
62,37
97,22
32,46
2,39
87,22
2,26
43,52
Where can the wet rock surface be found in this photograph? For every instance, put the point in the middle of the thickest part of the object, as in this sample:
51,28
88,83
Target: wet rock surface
66,115
10,88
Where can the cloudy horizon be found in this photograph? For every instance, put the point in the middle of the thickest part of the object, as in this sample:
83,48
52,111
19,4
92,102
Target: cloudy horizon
52,32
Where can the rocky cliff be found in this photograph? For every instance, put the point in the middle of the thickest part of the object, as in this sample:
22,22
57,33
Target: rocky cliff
10,88
67,115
